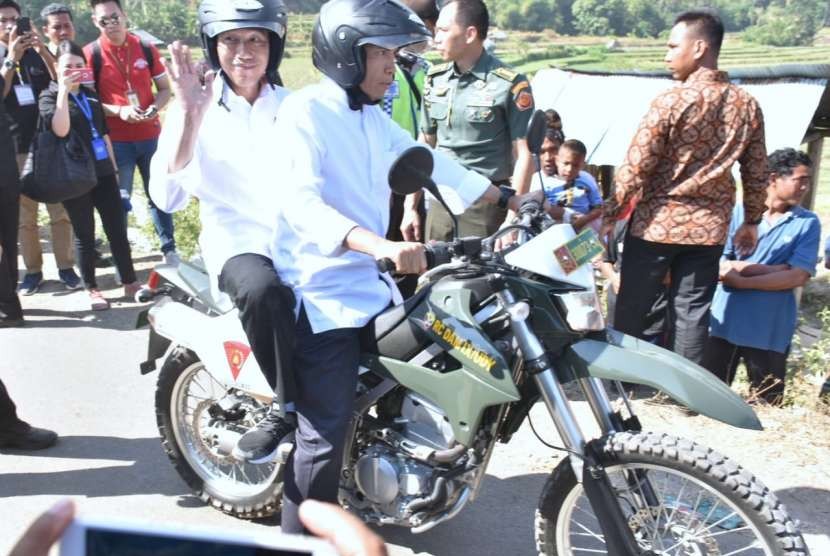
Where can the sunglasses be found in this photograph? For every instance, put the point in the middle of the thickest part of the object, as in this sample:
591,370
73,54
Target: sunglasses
113,19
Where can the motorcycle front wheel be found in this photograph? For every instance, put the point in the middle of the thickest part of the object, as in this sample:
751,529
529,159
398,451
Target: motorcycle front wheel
197,436
679,498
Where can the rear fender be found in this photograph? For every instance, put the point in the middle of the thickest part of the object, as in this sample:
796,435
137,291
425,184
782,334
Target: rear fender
220,342
628,359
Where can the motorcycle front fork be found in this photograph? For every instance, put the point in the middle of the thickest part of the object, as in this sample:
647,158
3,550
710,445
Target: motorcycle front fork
584,454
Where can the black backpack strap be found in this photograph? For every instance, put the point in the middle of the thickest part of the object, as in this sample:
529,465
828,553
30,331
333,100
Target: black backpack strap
148,55
97,61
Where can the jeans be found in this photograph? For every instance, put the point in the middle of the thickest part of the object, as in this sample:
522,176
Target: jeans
327,363
107,200
694,276
130,155
266,309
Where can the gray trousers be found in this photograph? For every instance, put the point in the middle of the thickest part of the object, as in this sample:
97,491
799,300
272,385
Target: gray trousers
326,365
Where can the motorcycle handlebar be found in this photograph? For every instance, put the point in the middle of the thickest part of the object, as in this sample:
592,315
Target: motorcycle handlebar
437,253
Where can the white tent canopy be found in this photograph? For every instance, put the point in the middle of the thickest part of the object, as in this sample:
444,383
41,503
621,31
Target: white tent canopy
604,110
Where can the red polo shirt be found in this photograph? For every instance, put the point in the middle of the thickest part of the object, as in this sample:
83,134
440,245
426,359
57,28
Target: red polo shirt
124,68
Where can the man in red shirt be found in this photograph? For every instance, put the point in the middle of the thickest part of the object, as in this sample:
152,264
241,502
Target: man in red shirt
126,70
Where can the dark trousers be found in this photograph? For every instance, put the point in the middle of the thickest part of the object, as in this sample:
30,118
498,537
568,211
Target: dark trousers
9,215
325,399
106,199
694,276
266,309
8,412
766,368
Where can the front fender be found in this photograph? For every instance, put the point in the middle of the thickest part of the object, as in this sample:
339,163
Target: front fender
628,359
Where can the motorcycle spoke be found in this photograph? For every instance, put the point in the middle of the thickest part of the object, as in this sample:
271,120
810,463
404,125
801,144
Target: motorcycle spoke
589,533
678,502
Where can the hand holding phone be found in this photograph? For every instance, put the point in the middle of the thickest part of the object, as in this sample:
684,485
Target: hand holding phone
84,76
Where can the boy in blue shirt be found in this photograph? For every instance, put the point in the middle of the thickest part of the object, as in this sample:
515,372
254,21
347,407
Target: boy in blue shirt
754,311
567,186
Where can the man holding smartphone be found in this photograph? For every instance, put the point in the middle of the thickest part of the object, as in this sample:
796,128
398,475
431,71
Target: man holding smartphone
27,69
126,72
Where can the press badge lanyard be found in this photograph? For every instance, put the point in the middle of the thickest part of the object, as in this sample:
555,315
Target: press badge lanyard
124,70
24,92
99,146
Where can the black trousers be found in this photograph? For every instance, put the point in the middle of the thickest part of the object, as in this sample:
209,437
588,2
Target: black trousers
766,368
106,199
9,220
325,400
8,411
694,276
266,309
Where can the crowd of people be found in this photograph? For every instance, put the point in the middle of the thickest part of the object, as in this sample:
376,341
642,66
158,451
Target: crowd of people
295,249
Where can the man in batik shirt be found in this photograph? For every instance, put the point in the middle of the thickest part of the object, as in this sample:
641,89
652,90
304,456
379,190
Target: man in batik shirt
680,164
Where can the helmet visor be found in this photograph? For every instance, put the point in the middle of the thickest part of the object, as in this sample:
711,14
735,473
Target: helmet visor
213,29
412,41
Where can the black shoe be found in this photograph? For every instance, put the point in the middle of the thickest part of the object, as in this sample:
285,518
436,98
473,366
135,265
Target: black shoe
26,437
260,444
8,322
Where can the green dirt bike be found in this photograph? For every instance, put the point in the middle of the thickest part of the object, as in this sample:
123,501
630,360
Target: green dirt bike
454,370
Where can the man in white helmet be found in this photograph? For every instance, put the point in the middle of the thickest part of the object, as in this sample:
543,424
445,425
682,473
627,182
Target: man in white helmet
217,146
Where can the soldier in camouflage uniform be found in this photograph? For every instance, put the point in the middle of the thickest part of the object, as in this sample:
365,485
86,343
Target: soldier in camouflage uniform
477,110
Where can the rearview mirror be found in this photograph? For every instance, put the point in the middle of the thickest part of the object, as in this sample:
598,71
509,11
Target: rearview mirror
536,128
412,172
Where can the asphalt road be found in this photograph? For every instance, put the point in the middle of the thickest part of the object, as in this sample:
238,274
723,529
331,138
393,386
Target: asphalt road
76,372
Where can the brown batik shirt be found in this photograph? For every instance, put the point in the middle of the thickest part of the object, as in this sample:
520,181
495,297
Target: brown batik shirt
680,163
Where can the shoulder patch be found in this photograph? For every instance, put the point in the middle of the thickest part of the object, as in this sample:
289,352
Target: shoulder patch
506,73
439,68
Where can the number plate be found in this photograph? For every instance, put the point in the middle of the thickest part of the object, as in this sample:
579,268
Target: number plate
578,251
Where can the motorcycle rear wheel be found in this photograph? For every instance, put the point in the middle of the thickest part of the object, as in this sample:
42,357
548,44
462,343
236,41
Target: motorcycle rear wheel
708,505
215,478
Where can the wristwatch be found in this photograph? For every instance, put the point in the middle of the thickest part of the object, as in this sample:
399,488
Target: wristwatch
506,193
9,64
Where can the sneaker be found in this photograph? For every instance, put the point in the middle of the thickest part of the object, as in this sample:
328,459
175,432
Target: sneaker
131,289
31,283
26,437
261,443
69,278
97,301
172,258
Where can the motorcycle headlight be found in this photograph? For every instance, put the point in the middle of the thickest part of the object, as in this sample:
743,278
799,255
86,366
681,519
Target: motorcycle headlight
583,310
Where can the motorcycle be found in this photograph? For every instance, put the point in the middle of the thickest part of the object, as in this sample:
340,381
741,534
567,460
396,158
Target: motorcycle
454,370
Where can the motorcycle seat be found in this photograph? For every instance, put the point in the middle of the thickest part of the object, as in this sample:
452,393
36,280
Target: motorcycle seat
391,334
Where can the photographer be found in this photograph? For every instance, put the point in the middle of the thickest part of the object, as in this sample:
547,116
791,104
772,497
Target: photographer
68,106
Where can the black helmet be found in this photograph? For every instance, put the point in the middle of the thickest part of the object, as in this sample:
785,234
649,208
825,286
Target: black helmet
344,26
218,16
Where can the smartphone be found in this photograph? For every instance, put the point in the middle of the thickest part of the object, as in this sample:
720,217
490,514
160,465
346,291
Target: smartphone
24,25
91,536
85,75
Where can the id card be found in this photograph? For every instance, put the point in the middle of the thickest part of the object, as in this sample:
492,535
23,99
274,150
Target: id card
25,95
99,147
132,97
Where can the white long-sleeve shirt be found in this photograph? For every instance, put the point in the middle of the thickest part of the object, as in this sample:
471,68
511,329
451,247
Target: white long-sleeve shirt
336,165
232,173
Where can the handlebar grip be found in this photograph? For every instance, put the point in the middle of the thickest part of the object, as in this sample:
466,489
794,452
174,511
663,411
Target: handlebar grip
385,265
437,254
530,206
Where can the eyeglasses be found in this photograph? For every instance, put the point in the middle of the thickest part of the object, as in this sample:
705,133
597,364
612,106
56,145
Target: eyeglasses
113,19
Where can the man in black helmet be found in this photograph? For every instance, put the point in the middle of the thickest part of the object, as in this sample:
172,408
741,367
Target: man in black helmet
333,216
217,146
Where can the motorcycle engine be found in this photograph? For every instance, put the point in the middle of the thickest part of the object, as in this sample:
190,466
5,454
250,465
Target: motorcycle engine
393,473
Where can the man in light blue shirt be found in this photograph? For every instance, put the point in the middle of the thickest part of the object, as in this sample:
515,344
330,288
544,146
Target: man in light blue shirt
334,215
754,310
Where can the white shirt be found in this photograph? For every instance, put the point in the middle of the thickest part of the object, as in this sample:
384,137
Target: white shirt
232,173
336,178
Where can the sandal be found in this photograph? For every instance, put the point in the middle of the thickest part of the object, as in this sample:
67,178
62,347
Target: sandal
97,301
